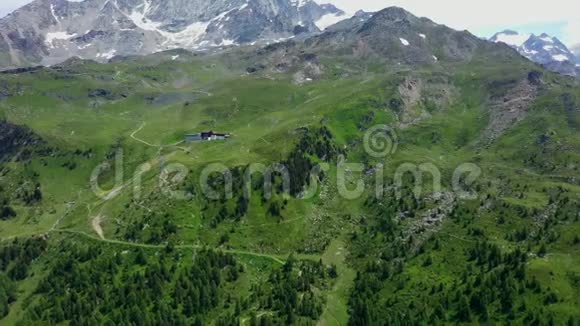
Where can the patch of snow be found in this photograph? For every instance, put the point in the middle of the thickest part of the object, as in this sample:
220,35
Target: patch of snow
513,40
174,57
82,47
227,12
107,55
282,39
329,20
423,36
435,58
188,36
560,57
548,47
547,39
54,14
227,42
140,19
404,42
62,36
527,52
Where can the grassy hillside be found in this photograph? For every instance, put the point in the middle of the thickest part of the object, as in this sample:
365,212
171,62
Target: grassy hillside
134,253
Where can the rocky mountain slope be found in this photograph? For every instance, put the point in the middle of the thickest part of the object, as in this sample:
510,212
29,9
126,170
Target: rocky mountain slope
544,49
50,31
393,35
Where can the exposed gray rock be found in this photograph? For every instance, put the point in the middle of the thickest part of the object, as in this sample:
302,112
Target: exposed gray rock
512,107
50,31
402,38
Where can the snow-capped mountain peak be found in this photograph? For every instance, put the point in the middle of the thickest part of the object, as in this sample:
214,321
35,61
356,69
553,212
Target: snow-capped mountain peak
51,31
543,49
511,38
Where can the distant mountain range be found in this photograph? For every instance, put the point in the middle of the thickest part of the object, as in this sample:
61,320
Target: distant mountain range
51,31
47,32
544,49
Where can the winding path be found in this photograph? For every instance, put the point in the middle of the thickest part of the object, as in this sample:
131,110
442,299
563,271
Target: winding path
152,246
141,140
176,144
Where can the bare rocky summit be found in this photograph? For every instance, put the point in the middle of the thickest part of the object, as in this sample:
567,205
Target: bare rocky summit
47,32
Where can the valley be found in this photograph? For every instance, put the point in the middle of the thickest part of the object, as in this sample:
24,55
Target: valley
366,181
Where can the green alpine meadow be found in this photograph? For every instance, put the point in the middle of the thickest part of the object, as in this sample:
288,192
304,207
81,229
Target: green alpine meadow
386,171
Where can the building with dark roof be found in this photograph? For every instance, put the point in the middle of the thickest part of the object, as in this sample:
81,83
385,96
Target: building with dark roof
205,136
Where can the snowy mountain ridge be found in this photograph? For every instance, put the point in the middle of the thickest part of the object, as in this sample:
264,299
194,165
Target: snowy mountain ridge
543,49
46,32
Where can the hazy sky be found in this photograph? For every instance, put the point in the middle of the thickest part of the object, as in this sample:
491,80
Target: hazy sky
7,6
560,18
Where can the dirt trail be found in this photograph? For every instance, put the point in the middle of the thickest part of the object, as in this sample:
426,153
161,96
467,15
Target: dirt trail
141,140
134,137
97,226
276,258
